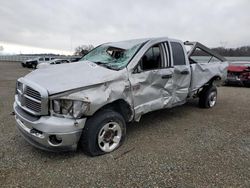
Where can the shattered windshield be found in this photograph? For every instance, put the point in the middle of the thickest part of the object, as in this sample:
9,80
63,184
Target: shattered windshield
111,57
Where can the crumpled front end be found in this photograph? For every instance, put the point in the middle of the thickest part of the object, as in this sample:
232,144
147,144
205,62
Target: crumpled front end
49,133
37,126
98,96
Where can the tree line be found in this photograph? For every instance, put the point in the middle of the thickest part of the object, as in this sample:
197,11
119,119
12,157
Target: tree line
232,52
83,49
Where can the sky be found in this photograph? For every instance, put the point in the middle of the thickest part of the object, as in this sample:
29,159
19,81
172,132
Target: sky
59,26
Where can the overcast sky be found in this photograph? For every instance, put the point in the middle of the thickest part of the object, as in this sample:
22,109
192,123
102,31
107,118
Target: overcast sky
62,25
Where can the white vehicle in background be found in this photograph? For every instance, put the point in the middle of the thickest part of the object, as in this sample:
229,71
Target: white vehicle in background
52,62
32,63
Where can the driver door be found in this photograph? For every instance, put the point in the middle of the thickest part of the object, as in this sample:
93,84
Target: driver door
152,81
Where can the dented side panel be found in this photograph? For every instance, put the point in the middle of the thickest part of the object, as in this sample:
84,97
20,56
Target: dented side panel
181,84
150,91
204,72
105,93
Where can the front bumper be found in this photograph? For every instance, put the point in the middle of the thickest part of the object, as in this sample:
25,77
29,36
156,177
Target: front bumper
41,132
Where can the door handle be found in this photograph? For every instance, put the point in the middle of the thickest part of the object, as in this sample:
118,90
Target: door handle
185,72
167,76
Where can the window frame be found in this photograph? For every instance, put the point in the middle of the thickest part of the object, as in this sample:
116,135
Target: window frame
168,54
173,62
165,56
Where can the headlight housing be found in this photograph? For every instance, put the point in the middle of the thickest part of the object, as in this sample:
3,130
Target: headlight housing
69,108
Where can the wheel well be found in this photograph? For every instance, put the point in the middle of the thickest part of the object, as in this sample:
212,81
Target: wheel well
209,83
120,106
214,79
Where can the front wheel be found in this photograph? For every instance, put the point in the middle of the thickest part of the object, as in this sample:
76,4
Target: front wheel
103,133
208,97
34,65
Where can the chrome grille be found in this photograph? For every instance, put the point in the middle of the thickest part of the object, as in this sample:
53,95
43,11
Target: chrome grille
32,99
30,104
33,93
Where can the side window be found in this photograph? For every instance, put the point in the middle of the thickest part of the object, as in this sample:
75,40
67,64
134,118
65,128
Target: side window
41,59
152,59
178,53
46,58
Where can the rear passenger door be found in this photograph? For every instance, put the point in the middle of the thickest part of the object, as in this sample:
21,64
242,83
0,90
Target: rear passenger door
182,73
151,81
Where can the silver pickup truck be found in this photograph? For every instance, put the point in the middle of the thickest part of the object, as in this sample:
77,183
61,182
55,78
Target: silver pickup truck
88,103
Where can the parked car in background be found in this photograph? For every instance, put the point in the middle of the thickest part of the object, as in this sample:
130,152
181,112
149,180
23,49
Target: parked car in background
75,59
238,74
88,103
32,63
52,62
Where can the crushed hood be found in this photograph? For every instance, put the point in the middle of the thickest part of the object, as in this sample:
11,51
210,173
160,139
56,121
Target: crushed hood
65,77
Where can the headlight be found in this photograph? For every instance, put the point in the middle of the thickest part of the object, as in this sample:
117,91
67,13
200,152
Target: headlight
68,107
19,86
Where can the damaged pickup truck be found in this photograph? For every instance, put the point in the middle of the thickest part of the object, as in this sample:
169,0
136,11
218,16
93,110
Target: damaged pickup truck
88,103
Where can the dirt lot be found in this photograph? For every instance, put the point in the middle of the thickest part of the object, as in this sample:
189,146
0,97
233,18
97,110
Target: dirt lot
181,147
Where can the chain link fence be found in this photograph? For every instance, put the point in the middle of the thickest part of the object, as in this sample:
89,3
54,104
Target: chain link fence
20,58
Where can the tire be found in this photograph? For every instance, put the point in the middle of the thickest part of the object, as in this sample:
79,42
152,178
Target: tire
247,84
34,65
208,97
103,133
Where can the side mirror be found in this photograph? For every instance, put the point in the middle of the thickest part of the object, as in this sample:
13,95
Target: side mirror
138,68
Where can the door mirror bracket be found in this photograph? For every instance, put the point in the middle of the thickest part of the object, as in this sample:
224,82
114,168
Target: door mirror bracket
138,68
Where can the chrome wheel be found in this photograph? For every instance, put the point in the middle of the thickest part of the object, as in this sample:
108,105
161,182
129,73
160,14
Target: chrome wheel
212,98
109,136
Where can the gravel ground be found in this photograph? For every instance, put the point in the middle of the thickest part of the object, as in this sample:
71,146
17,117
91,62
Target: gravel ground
180,147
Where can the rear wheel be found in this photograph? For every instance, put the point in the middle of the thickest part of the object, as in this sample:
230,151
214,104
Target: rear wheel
103,133
208,97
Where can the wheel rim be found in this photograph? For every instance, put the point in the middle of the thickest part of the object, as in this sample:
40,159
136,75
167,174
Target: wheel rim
212,99
109,136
